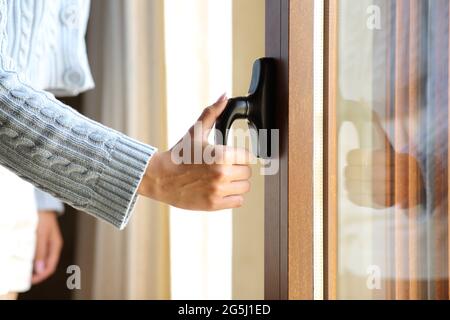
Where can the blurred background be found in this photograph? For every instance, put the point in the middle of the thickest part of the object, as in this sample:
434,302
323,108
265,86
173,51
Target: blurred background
157,64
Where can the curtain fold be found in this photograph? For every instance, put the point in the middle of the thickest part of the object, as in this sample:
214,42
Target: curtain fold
126,46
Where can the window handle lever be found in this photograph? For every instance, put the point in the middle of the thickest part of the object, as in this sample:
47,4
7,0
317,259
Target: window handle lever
257,108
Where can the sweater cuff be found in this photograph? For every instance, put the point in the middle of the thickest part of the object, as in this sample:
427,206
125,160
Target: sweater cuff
115,192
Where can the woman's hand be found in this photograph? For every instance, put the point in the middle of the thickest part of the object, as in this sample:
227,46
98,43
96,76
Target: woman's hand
48,246
203,185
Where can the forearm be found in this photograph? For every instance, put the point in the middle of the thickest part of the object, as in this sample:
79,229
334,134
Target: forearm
81,162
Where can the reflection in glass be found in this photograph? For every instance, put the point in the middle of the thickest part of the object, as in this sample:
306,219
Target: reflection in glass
392,156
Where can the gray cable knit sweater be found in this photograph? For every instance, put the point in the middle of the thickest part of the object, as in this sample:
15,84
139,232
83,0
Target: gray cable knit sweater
81,162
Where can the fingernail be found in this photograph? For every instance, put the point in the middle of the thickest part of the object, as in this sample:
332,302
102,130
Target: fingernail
39,266
222,98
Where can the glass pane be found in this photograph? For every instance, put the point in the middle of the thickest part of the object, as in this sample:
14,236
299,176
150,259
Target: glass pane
392,149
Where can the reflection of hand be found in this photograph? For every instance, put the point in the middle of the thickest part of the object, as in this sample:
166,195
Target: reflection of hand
369,179
48,246
201,186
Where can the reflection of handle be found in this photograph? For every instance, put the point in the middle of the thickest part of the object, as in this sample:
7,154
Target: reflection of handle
256,107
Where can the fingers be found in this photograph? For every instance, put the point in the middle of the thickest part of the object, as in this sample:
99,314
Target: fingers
364,200
221,173
211,113
233,155
236,188
48,247
54,252
209,116
367,187
240,172
39,268
363,173
46,265
228,187
369,178
229,202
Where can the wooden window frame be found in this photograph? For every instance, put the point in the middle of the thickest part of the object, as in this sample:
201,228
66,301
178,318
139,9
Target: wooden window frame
289,201
289,264
331,151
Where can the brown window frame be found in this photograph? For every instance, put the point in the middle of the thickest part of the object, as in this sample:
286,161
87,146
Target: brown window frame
289,194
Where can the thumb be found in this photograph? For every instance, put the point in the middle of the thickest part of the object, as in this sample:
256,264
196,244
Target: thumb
210,115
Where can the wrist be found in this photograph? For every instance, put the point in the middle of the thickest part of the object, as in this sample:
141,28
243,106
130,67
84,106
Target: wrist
148,186
47,212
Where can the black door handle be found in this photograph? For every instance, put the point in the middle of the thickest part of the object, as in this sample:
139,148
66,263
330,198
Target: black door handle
257,107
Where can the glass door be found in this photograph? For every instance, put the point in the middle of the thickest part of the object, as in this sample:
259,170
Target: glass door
387,149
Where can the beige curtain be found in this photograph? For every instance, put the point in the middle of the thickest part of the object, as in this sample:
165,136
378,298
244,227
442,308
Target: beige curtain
126,47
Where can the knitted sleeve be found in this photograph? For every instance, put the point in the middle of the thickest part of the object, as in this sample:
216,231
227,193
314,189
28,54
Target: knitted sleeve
79,161
83,163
